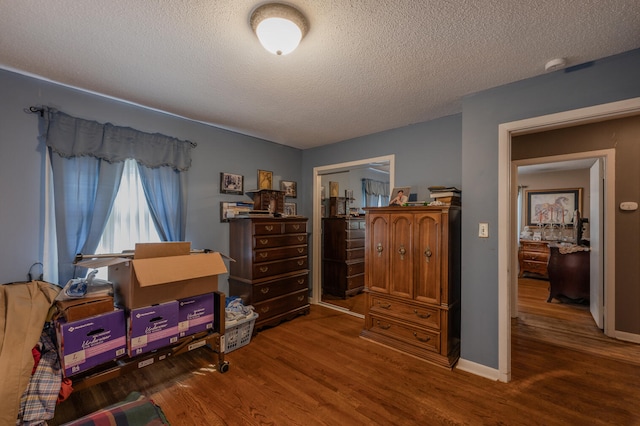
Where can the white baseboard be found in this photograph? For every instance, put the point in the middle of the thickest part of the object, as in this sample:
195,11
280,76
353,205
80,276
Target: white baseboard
478,369
627,337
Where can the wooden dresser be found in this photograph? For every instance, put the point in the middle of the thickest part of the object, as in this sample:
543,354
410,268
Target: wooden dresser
533,257
271,264
343,256
412,281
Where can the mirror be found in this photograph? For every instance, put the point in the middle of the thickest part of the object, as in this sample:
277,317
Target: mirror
338,255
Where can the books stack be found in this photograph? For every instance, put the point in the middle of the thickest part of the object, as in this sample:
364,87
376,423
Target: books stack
446,194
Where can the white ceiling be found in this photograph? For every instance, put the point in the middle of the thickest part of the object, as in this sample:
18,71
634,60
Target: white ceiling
365,66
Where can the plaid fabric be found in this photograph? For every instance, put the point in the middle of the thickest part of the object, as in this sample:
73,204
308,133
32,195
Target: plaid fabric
38,402
136,410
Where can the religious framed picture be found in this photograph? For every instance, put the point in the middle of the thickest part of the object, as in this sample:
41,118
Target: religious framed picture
231,183
552,206
265,179
334,189
289,187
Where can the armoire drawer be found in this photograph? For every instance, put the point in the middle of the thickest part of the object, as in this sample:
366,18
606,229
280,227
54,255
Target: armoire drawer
424,316
416,336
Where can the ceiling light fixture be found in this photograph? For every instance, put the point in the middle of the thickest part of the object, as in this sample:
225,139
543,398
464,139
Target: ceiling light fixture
555,64
279,27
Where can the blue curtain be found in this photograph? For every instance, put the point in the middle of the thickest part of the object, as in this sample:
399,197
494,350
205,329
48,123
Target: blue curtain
164,189
373,190
87,159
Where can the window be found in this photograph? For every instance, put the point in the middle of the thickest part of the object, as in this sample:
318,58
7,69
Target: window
130,221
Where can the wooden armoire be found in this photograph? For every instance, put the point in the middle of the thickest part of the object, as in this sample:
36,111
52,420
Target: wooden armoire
412,280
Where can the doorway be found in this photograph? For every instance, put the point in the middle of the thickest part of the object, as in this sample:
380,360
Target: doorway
507,193
388,163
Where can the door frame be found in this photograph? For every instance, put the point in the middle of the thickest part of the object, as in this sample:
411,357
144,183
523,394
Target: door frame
507,268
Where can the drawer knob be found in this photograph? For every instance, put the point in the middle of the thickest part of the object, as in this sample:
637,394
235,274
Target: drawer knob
425,316
264,309
379,249
422,339
296,227
300,250
264,255
301,238
269,228
301,281
384,305
428,254
264,241
264,268
384,326
264,290
300,298
300,262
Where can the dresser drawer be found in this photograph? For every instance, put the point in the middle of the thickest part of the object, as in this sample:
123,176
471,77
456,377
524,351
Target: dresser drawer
275,288
280,305
266,269
351,244
355,268
415,336
355,224
266,255
356,281
269,241
353,234
423,316
353,254
534,246
267,228
535,255
295,228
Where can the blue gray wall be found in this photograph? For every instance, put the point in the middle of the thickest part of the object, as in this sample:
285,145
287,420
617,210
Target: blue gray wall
459,150
22,165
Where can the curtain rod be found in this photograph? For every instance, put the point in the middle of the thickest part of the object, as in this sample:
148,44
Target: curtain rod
40,110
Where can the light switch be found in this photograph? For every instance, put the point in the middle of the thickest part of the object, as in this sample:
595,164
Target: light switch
483,230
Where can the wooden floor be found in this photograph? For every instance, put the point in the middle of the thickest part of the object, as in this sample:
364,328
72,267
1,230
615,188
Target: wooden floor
315,370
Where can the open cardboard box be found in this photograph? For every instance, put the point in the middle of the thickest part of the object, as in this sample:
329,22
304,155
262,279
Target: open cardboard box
161,272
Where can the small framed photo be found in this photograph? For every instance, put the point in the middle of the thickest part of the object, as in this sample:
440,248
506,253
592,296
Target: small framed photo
334,189
399,196
290,209
265,179
231,183
289,187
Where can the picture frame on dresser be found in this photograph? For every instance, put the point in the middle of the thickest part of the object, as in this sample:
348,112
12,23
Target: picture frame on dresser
231,183
552,206
290,209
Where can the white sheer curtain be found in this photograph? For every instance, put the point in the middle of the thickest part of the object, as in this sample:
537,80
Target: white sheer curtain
130,221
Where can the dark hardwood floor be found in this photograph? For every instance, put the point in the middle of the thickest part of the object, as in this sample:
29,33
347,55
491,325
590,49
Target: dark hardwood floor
315,370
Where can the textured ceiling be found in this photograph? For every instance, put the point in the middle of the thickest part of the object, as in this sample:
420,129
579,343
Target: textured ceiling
365,65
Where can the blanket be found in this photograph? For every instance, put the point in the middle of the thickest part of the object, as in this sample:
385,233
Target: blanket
135,410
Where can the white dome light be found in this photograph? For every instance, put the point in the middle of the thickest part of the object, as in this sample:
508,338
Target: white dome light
279,27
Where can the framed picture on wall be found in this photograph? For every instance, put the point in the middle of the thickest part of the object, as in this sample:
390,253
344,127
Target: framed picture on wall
334,189
231,183
265,179
552,206
289,187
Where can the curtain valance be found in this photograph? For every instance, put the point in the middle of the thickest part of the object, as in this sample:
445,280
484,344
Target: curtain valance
75,137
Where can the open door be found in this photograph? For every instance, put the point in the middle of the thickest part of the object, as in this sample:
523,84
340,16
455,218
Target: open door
596,208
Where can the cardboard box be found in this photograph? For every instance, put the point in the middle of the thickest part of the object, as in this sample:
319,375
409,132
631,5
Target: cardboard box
195,314
152,327
91,341
160,272
77,309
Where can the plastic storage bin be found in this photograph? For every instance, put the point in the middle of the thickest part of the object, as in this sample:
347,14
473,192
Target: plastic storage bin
238,333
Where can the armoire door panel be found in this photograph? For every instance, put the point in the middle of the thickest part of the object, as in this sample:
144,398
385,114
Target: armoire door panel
428,257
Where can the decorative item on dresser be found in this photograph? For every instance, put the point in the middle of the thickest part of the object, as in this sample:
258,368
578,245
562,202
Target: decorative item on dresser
533,257
412,281
268,199
271,264
343,256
